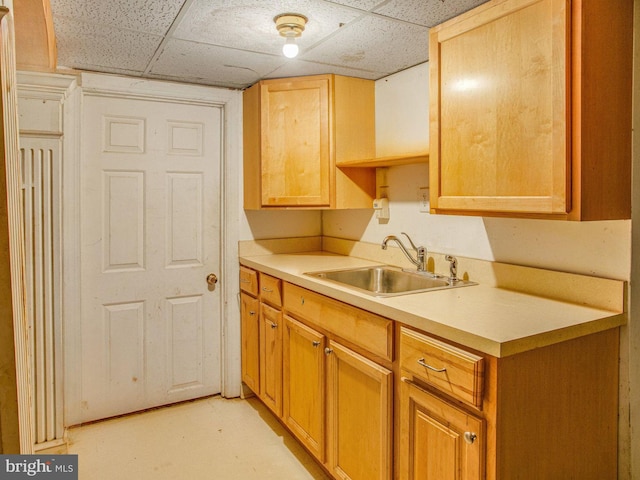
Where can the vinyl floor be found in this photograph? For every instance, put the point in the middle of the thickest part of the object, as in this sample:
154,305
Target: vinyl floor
212,438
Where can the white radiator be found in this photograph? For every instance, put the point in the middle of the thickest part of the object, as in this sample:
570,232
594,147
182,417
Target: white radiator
41,175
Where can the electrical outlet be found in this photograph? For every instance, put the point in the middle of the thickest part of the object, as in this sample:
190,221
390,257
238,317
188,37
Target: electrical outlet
423,199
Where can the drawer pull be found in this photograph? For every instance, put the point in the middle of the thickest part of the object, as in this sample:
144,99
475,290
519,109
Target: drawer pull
265,289
274,325
426,365
301,300
244,280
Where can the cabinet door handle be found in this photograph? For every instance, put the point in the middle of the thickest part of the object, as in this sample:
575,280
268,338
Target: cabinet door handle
265,289
315,343
252,312
426,365
328,351
301,300
274,325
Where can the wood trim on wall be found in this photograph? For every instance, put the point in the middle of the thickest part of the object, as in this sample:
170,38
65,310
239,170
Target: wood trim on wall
15,402
35,36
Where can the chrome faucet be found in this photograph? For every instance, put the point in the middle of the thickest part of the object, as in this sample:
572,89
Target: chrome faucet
421,252
453,268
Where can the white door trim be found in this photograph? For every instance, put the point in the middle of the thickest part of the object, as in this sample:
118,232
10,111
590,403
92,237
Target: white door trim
13,228
127,87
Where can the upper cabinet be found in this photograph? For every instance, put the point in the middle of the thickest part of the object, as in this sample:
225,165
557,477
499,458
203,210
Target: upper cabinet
297,132
530,110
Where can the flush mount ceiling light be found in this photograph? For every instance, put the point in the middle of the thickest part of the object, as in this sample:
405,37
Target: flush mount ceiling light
290,26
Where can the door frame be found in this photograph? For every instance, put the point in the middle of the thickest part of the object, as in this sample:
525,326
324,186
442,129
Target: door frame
230,102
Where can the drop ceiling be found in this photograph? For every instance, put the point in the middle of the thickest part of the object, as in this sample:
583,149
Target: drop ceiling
234,43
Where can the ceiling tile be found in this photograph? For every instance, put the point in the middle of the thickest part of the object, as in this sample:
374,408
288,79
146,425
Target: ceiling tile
249,25
84,45
300,67
426,12
360,4
375,44
234,43
151,16
201,63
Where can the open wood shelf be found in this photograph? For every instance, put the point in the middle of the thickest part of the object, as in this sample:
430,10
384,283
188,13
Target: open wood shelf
391,161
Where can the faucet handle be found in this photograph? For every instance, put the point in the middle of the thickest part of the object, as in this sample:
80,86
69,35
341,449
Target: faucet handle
410,241
453,267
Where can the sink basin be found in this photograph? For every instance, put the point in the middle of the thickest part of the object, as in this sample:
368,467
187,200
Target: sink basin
388,281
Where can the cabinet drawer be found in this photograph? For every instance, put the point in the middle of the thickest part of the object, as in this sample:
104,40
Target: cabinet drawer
450,369
362,328
249,281
270,289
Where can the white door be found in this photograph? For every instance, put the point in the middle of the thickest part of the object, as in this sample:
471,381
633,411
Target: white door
150,214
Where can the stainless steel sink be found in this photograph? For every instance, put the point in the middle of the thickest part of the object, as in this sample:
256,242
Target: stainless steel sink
386,281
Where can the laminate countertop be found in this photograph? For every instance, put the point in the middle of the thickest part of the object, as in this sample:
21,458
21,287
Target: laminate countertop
492,320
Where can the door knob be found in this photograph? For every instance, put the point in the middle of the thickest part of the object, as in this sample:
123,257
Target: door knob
212,279
470,437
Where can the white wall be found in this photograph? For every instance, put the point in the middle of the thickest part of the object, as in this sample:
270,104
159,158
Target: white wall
402,105
260,224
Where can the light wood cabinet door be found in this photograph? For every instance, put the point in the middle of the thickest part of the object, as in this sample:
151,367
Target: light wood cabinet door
360,416
438,441
296,159
271,358
499,109
250,338
304,385
517,126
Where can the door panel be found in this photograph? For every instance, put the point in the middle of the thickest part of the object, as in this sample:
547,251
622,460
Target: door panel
432,439
271,357
360,406
250,318
296,151
150,235
304,384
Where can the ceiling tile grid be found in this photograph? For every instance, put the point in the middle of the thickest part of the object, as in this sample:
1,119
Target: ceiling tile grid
428,13
374,43
150,16
234,43
206,64
100,46
249,24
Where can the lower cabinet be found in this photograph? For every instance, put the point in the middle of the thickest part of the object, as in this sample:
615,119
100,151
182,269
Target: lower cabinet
438,441
359,404
304,385
250,330
325,369
546,413
338,403
271,358
261,336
